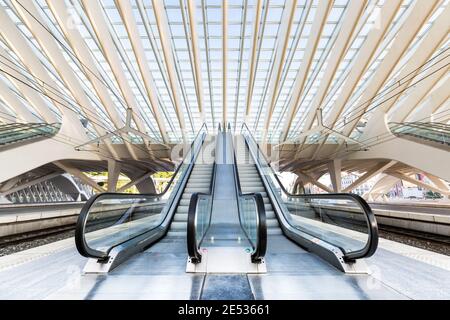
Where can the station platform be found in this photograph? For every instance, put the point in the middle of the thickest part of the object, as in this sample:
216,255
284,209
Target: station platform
54,271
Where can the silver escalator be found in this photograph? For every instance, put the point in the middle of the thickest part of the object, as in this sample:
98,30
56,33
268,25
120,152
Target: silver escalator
114,226
251,182
225,222
199,181
339,227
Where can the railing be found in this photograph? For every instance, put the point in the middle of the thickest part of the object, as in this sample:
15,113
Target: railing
109,220
429,131
18,132
354,233
199,217
252,215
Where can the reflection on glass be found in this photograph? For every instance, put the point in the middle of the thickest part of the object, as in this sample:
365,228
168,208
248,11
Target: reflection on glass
249,217
115,218
340,222
203,217
431,131
112,221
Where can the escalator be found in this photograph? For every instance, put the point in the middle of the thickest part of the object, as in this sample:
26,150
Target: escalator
114,226
342,237
226,224
251,182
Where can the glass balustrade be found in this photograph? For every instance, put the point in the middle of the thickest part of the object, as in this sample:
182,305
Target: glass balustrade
425,131
342,220
110,219
18,132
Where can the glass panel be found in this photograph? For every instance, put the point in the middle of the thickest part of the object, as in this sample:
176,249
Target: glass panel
112,220
427,131
202,217
340,222
115,218
336,219
249,218
15,132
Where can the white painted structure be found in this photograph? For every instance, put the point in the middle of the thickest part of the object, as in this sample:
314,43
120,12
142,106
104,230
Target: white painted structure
318,81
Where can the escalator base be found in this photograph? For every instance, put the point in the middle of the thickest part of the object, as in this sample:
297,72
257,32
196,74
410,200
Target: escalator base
230,260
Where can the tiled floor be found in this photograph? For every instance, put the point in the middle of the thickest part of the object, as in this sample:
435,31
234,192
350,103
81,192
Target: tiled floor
55,272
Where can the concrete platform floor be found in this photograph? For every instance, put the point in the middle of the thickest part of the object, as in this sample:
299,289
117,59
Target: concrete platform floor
54,271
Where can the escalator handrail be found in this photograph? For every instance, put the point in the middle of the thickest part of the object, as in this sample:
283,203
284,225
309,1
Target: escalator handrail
191,235
80,240
260,247
372,242
192,245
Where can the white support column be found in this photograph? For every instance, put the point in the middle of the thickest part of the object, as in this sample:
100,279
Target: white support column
163,25
135,181
334,167
133,33
282,44
13,101
24,86
437,98
418,183
224,61
319,21
363,58
353,13
114,168
62,13
197,65
382,185
80,175
406,35
311,179
369,174
416,19
96,16
439,183
17,42
252,60
410,106
32,17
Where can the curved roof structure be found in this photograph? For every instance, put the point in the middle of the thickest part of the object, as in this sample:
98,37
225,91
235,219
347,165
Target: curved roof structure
315,76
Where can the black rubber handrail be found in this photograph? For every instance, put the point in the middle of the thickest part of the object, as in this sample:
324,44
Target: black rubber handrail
259,248
80,240
372,242
193,245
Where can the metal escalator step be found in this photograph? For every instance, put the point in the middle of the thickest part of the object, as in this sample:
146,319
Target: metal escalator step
252,189
274,231
203,188
272,223
270,214
176,234
182,209
184,202
180,217
252,184
178,226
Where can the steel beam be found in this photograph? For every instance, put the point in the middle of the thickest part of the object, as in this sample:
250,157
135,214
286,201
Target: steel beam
319,21
283,41
163,25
